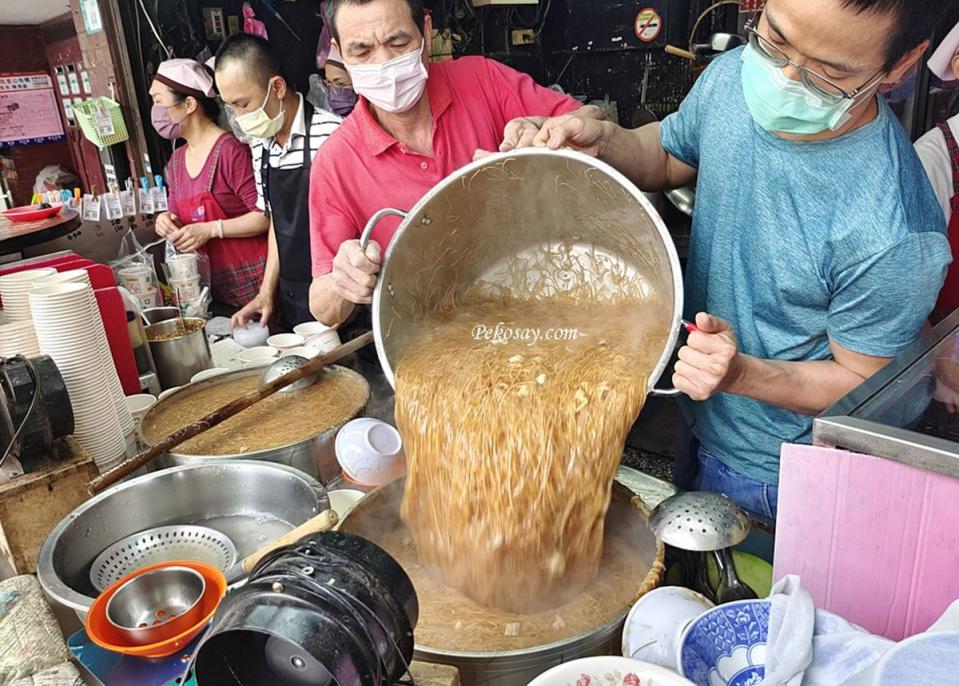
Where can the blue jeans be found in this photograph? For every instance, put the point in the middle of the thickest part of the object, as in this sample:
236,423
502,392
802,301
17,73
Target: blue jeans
758,499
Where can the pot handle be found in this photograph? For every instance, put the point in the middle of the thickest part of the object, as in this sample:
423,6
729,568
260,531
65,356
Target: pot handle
374,220
672,392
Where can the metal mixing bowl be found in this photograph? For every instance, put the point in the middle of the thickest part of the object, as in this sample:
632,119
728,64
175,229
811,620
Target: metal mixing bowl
252,502
158,604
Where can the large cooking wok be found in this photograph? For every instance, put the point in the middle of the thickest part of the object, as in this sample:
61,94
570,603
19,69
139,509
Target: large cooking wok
477,219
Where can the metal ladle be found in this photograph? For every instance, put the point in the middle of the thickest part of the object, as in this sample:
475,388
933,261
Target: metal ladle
283,366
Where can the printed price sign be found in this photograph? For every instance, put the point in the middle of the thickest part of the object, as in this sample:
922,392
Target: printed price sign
28,109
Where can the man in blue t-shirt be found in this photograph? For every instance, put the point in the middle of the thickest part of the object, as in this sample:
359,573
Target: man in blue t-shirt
818,247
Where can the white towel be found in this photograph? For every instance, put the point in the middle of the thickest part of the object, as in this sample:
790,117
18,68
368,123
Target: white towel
792,619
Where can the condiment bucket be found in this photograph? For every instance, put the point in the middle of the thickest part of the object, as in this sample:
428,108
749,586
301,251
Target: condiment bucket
469,226
178,359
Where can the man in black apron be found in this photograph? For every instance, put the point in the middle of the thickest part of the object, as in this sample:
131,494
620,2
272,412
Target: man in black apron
284,190
286,131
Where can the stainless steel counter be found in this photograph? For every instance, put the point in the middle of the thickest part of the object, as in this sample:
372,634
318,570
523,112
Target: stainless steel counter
900,413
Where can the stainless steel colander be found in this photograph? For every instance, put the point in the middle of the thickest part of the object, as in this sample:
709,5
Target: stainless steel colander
162,544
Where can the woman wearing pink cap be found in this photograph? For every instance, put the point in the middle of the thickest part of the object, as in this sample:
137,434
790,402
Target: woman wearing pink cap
939,152
212,191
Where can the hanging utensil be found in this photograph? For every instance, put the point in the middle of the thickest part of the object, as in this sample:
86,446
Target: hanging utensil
730,588
271,6
222,414
644,115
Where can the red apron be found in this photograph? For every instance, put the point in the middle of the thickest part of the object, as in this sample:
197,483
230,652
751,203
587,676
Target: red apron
236,264
949,295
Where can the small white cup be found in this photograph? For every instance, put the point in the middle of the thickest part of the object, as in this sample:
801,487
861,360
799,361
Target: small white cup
307,329
183,266
168,392
342,500
302,350
139,404
208,374
370,452
260,352
138,279
656,622
284,341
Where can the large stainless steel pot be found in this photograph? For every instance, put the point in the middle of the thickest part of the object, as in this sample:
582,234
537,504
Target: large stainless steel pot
478,218
314,456
251,502
377,517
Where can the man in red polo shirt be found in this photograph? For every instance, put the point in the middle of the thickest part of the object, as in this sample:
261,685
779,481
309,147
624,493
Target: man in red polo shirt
414,124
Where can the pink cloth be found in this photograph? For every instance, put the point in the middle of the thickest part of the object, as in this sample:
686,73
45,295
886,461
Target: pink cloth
940,63
187,76
362,169
233,184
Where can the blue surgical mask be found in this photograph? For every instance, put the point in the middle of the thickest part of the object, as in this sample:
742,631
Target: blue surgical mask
782,105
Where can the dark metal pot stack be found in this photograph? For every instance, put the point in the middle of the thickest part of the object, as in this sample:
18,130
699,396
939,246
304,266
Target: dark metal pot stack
332,609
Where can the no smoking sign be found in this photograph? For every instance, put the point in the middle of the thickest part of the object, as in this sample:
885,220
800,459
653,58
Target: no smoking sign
648,25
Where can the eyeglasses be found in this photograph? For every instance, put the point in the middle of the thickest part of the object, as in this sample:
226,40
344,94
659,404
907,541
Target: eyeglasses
818,83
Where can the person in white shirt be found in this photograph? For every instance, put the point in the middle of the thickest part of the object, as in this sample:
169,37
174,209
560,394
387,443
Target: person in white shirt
939,152
285,131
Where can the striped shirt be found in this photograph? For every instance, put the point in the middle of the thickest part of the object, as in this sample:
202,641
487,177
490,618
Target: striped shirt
290,156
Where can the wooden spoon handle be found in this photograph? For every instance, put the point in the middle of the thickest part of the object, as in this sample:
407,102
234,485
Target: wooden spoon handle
324,521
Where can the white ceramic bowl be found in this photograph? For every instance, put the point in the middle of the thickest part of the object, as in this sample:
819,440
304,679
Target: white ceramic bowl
260,362
324,342
260,352
302,350
656,622
168,392
307,329
282,341
208,373
342,500
609,670
252,335
370,452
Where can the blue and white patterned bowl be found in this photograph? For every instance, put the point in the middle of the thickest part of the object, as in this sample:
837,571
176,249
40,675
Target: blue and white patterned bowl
726,646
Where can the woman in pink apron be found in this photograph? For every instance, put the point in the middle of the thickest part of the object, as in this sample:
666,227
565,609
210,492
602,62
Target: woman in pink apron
212,205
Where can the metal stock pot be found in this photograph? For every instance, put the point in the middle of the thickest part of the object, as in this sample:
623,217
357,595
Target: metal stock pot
481,216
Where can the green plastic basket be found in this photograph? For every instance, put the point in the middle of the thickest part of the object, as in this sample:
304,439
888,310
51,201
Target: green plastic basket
86,112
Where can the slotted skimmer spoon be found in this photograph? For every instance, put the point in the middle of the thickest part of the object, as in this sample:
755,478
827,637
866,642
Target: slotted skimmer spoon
283,366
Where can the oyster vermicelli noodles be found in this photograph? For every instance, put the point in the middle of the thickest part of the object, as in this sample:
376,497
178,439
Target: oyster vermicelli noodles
512,445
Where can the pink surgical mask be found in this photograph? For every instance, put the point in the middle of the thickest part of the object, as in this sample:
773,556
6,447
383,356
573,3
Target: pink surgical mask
393,86
167,128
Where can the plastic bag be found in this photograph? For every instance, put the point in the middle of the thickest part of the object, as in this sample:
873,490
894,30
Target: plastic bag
188,278
251,24
135,270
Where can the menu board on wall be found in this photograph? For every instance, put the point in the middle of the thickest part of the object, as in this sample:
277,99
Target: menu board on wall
28,109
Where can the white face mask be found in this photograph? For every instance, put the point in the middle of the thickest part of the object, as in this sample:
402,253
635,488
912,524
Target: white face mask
393,86
258,123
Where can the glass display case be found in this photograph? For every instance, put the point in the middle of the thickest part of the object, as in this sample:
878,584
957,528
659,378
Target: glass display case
909,411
